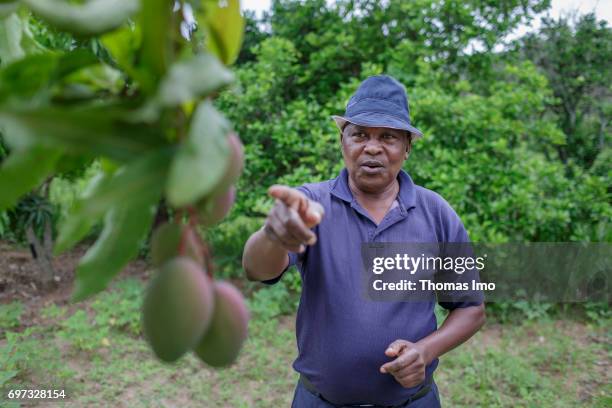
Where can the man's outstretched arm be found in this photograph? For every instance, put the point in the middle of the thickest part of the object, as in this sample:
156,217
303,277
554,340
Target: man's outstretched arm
286,229
263,259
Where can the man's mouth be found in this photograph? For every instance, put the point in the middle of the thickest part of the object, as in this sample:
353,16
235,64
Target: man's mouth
372,164
372,167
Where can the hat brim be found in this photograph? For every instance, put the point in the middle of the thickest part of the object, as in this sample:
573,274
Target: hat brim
375,119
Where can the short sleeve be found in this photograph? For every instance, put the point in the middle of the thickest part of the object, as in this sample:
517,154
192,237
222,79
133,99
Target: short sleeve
458,248
295,259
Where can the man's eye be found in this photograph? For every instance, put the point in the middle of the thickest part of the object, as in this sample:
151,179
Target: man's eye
358,134
389,136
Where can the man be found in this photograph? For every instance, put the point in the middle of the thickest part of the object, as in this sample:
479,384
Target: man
355,352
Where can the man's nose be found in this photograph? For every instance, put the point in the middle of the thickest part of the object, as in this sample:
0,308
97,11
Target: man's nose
373,146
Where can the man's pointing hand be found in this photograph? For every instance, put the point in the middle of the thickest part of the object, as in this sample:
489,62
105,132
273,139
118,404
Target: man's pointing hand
291,218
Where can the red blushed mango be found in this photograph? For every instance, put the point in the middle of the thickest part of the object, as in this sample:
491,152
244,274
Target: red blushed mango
178,308
214,206
228,329
213,210
236,163
171,239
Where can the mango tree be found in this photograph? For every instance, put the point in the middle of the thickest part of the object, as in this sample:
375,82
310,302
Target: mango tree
139,100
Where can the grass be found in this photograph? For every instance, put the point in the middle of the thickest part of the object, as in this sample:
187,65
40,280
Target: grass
95,352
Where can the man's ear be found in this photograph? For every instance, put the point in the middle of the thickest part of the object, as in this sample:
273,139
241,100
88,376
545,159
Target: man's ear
408,147
342,131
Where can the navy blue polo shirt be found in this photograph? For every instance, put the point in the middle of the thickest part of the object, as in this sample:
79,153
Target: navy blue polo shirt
341,336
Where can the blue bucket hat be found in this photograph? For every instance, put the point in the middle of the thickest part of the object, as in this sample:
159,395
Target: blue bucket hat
380,101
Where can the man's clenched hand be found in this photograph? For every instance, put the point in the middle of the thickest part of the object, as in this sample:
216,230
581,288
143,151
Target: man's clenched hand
408,368
291,218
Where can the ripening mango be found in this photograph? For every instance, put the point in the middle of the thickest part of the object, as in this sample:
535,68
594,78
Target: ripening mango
171,239
178,308
213,210
228,329
214,206
234,165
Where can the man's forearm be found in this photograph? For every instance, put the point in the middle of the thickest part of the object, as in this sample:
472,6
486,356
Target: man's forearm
459,326
262,258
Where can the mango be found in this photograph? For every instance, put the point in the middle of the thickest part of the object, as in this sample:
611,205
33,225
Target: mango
178,308
172,239
213,210
228,329
215,205
236,160
234,165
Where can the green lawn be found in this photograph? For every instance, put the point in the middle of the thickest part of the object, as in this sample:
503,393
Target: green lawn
94,351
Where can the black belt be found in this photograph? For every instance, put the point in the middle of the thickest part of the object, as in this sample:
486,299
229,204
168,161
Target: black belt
420,394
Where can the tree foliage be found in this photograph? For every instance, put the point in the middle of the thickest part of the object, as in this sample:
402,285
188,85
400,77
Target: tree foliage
575,57
490,120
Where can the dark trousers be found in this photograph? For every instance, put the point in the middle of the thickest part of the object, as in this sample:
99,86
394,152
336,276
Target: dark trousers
305,399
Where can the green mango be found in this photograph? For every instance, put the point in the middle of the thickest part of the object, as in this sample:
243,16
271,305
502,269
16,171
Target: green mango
171,239
178,308
228,329
216,208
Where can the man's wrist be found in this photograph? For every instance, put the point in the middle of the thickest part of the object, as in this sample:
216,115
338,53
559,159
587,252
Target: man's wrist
271,239
268,233
425,351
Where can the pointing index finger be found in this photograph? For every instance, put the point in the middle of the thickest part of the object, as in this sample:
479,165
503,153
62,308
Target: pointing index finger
290,196
311,212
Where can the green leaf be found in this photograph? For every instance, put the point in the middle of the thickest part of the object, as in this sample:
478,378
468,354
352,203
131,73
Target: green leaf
125,225
91,18
71,167
23,171
224,29
16,40
5,376
29,75
201,160
98,78
122,45
133,185
93,130
155,21
196,77
8,7
76,226
10,39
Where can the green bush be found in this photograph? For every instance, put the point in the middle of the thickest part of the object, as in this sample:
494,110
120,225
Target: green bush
64,191
274,301
227,242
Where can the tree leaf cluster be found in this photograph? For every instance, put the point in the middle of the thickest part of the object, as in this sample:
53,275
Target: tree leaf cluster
124,86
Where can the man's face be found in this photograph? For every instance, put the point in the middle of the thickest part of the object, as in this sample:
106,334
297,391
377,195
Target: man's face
373,156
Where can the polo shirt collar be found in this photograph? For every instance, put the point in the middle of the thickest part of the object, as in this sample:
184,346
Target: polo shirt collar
407,197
